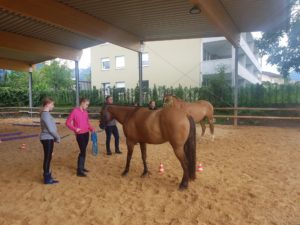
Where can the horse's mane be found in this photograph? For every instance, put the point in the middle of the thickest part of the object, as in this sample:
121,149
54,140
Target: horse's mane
178,99
130,106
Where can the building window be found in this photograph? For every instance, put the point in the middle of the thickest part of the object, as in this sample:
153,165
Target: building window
145,59
105,62
106,88
120,62
120,84
145,85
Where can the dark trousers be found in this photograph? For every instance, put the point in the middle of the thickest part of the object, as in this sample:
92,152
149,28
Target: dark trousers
82,140
48,149
112,130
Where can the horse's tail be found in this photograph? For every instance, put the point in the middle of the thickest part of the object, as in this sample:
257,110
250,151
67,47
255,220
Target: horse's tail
190,149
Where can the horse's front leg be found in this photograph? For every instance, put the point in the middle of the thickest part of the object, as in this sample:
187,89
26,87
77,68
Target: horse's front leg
130,146
144,158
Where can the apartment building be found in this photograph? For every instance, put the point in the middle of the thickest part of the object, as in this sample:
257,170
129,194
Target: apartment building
217,53
175,62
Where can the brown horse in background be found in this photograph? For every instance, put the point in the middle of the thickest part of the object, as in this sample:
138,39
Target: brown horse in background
144,126
199,110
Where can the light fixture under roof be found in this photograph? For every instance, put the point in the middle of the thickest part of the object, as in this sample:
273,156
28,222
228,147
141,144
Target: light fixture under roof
194,10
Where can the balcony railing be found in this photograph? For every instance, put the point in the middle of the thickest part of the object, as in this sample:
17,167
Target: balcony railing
212,67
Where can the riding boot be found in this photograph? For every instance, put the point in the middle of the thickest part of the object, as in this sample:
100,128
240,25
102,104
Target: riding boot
108,152
80,166
84,169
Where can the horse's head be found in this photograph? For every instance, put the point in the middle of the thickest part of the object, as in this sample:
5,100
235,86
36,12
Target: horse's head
105,116
168,100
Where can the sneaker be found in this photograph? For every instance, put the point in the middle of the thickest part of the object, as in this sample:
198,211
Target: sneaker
118,152
108,153
85,170
81,174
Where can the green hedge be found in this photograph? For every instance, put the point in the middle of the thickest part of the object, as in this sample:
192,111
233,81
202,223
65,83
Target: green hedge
266,95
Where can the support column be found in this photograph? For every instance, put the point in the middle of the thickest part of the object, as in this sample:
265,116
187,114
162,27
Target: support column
30,87
77,82
201,64
140,54
235,58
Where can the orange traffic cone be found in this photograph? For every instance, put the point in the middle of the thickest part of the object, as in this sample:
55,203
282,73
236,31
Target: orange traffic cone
200,167
23,146
161,168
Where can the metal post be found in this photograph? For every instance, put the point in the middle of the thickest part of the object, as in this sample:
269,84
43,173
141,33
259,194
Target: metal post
77,82
235,82
140,54
30,87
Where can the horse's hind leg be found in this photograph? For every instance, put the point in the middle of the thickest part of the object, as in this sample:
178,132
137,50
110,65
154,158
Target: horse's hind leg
211,127
179,152
144,157
202,123
130,147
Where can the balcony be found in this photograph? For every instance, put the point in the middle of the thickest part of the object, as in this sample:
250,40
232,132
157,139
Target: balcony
212,67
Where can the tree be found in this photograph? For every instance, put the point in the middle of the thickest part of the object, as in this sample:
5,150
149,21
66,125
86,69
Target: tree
56,76
219,87
285,57
137,94
16,79
155,93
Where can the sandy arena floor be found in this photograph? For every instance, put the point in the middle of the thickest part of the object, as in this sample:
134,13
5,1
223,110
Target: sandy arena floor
251,176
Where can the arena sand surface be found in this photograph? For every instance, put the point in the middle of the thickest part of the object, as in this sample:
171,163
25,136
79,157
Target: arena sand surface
251,176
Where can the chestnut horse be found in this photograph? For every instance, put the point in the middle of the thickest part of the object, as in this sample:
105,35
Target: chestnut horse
144,126
199,110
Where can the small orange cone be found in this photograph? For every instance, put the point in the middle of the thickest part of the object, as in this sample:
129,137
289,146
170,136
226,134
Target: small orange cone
23,146
200,167
161,168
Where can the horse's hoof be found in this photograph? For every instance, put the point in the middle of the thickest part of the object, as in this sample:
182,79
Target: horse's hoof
193,178
124,174
183,187
145,174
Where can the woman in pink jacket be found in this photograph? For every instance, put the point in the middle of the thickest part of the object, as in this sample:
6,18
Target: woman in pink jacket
78,121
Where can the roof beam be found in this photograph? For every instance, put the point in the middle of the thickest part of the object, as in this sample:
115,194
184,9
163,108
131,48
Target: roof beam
10,64
219,17
28,44
57,14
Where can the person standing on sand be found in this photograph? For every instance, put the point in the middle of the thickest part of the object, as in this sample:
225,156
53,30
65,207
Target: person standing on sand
111,129
48,136
78,121
152,105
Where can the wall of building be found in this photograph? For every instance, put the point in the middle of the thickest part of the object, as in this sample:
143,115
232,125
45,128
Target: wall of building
170,63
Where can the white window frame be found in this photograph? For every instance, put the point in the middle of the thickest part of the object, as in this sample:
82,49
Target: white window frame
105,59
122,66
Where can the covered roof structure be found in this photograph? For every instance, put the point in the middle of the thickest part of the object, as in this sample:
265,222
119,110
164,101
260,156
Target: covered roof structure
34,31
